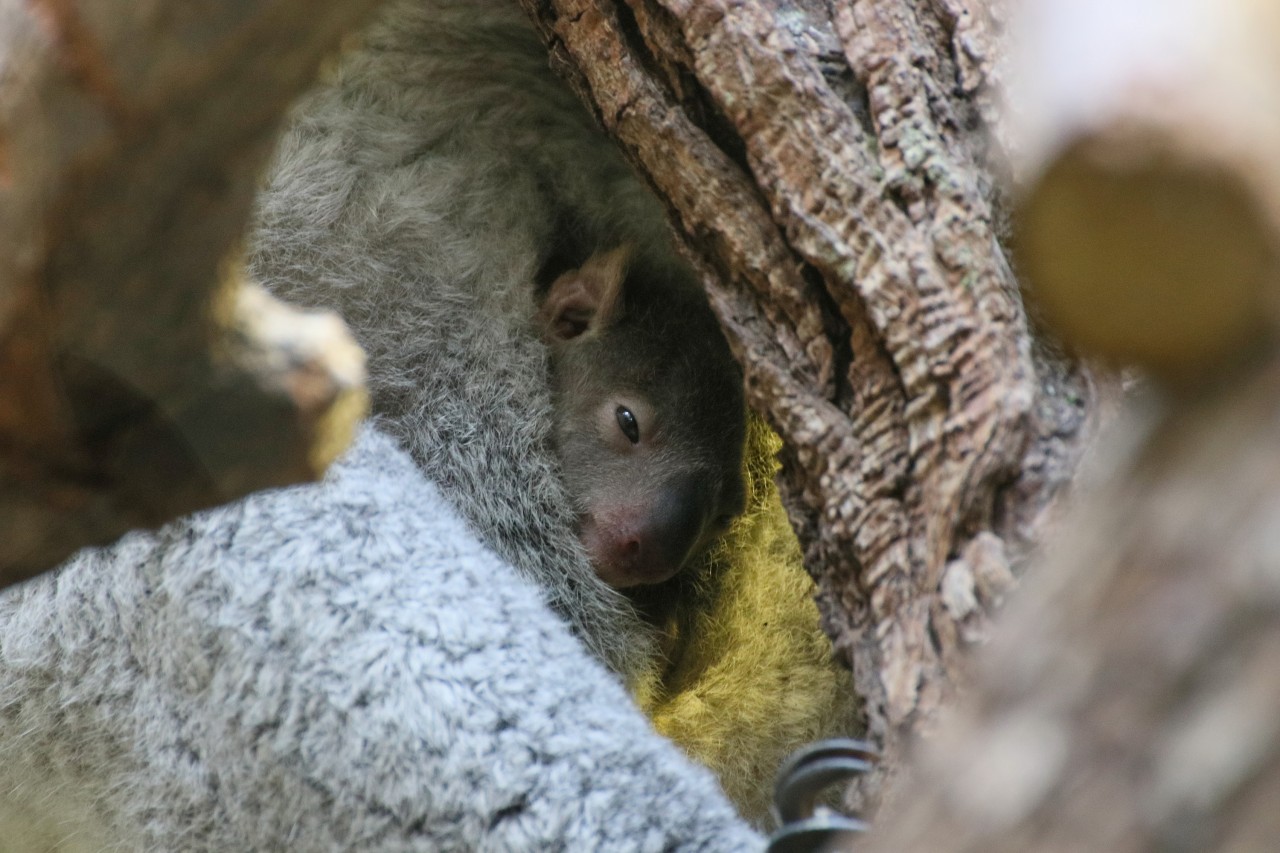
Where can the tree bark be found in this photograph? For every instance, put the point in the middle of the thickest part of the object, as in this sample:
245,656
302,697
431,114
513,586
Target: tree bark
139,378
829,172
1129,701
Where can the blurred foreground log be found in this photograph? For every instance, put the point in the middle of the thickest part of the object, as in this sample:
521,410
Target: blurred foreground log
1129,702
1148,133
139,378
827,166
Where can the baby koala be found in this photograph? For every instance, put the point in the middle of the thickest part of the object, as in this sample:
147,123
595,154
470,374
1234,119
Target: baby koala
649,414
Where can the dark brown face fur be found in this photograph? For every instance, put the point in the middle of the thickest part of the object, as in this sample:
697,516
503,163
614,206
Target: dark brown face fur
650,418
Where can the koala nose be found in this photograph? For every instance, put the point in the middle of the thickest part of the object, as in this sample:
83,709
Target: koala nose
678,518
648,542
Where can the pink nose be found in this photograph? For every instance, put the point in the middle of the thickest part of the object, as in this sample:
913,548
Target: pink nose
646,540
629,555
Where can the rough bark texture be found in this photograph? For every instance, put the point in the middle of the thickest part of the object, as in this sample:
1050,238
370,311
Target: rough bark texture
138,379
829,172
1129,701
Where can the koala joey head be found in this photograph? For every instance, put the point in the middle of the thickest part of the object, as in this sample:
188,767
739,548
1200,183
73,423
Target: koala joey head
649,414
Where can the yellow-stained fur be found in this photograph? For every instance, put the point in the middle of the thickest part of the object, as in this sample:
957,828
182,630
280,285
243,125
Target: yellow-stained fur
749,674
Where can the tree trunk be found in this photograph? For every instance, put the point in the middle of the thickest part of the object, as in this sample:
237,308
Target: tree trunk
828,171
1130,701
139,378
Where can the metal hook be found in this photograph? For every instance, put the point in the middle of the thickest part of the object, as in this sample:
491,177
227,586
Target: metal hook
802,779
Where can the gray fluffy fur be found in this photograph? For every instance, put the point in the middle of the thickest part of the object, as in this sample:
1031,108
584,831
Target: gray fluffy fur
339,666
418,193
344,666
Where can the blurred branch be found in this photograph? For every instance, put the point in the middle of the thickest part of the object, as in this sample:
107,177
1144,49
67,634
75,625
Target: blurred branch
139,378
1150,221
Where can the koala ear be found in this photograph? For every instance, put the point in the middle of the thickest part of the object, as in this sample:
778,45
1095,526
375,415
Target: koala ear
585,300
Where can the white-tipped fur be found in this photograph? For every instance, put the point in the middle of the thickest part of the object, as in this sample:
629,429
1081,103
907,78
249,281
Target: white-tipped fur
418,193
344,666
333,667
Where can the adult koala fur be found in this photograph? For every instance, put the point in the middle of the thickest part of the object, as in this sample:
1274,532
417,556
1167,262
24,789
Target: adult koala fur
343,665
419,193
338,666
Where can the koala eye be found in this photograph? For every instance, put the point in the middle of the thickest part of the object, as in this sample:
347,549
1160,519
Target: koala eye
628,424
